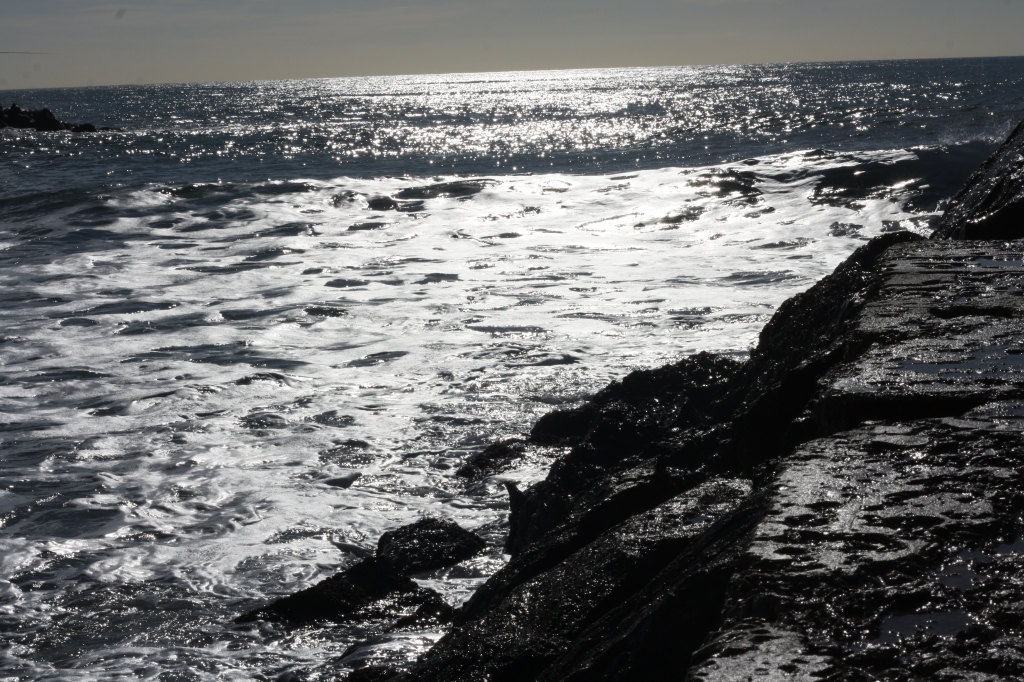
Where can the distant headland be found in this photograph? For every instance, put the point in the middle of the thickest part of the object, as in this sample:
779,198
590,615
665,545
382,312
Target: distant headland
42,120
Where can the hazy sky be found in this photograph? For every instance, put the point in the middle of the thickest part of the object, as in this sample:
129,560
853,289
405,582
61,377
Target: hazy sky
149,41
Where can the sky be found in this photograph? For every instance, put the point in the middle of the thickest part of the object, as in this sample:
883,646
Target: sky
170,41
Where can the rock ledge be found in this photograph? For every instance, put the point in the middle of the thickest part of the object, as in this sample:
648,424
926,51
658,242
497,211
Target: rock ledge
846,505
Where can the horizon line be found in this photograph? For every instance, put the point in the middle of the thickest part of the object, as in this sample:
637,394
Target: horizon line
466,73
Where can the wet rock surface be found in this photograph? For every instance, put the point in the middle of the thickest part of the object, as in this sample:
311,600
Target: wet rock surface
378,589
515,639
865,464
372,590
991,203
848,504
428,544
887,550
942,336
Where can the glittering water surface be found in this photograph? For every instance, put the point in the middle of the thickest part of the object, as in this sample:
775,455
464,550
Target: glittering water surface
266,322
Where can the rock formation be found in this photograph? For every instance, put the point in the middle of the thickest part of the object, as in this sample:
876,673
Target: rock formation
991,204
846,505
378,588
427,545
42,120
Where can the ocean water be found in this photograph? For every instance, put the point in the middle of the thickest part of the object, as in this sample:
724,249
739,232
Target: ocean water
265,322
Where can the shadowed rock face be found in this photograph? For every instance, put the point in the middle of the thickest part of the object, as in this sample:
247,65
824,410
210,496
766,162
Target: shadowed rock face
428,544
378,590
991,204
882,556
613,472
371,590
534,622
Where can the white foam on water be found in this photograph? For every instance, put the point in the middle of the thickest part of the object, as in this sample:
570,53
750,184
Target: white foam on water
197,454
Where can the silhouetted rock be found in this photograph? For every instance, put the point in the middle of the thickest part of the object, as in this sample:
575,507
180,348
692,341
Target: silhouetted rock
532,623
991,204
564,427
433,613
428,544
610,474
42,120
371,590
378,588
495,459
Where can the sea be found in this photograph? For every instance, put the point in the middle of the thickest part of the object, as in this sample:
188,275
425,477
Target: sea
259,324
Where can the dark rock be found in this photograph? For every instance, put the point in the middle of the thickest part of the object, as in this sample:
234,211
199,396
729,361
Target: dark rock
917,363
628,424
607,503
427,545
682,393
588,596
991,204
45,121
536,621
653,634
378,588
806,336
42,120
909,565
564,427
494,459
372,590
432,614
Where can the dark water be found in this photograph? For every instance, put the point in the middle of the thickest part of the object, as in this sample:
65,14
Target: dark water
257,290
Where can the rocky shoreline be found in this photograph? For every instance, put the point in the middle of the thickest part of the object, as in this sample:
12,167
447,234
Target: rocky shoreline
845,505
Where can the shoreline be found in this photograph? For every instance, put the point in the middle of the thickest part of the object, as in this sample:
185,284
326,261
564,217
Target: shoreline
844,503
227,393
